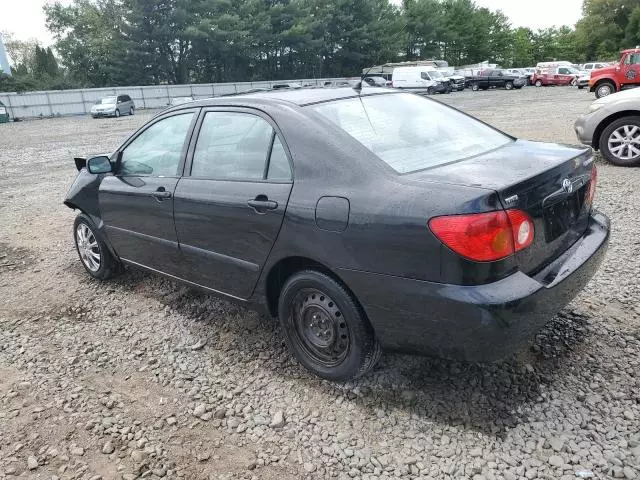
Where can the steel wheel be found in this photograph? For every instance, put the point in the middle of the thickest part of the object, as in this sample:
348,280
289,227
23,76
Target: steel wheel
624,143
604,90
88,248
320,328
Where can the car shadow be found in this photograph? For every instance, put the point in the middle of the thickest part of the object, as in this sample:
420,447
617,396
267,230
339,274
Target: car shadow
490,398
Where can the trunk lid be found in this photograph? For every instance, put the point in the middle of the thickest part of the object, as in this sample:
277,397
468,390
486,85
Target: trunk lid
548,181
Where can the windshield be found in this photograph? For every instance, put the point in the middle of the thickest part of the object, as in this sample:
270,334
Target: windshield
107,101
435,74
410,132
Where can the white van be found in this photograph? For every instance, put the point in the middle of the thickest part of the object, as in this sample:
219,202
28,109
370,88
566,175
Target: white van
420,77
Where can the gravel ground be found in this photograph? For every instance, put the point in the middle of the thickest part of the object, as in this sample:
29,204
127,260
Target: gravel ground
142,377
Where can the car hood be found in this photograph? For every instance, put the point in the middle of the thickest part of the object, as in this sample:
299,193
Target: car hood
511,163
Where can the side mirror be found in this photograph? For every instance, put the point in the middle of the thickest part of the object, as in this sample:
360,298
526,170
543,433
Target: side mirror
99,165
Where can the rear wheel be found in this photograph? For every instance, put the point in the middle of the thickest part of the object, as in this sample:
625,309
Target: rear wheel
605,89
538,83
325,329
574,82
92,250
132,110
508,85
620,142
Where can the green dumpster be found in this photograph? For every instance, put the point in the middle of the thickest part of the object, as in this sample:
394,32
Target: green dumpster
4,113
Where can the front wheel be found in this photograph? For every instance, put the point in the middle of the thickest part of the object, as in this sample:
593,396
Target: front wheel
475,87
580,87
620,142
117,113
605,89
92,250
325,328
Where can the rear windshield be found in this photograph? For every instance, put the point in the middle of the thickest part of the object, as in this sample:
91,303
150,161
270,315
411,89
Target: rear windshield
410,132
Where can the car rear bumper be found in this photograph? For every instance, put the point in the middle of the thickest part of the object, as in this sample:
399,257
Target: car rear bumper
477,323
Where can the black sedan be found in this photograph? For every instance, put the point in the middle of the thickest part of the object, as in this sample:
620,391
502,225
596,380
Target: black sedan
361,219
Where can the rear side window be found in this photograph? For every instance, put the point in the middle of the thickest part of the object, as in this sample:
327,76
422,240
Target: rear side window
410,132
236,146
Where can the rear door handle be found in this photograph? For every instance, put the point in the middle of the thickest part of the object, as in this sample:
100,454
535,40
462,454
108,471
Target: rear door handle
261,204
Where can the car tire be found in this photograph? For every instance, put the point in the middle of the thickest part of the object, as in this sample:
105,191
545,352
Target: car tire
605,89
508,86
608,141
475,87
132,110
538,83
117,113
580,87
325,328
93,251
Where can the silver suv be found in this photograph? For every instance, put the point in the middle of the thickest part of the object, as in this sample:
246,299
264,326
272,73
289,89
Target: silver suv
113,106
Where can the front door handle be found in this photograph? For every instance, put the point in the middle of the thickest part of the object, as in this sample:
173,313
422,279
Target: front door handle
161,194
262,203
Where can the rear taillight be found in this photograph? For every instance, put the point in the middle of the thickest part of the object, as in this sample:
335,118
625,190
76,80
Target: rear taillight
485,237
591,191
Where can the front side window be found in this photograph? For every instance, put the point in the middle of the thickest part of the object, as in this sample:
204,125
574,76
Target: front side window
232,145
157,151
425,76
633,59
409,132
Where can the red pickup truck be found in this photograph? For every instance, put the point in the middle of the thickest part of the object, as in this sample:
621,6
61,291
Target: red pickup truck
620,76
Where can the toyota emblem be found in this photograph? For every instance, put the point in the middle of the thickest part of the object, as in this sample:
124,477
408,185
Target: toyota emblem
567,185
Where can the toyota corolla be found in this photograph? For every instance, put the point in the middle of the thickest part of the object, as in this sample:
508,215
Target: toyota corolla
363,220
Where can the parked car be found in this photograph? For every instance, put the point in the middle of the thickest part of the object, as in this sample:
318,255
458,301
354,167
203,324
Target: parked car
4,113
421,78
279,86
362,220
336,83
620,76
612,125
495,79
518,72
113,106
555,73
593,66
377,81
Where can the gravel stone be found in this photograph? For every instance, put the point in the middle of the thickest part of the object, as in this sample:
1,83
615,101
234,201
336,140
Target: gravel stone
629,472
278,420
32,463
556,460
108,448
309,467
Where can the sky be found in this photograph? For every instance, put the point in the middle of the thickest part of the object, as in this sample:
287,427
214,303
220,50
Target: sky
25,19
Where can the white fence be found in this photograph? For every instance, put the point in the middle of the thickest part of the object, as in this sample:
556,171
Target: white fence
78,102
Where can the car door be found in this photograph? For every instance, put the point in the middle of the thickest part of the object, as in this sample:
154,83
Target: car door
496,78
136,202
631,68
230,203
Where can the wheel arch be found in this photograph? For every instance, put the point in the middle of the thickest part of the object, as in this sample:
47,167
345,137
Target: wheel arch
284,268
602,80
597,133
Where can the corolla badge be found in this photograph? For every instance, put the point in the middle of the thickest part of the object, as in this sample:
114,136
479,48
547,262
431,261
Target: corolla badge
567,185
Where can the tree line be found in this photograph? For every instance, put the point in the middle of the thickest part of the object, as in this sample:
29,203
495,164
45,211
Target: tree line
142,42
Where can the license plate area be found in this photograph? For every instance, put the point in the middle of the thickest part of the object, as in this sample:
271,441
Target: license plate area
560,216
